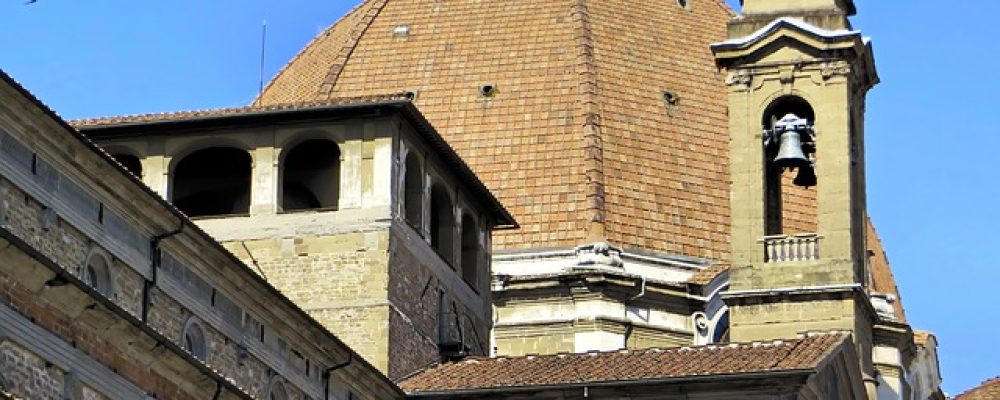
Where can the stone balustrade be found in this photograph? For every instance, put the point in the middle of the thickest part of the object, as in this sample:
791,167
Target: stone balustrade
791,248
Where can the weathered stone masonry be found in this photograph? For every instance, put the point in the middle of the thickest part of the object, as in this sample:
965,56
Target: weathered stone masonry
113,327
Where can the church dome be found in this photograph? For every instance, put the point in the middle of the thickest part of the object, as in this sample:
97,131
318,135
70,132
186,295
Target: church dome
590,120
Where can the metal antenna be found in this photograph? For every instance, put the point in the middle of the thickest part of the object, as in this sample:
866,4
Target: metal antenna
263,45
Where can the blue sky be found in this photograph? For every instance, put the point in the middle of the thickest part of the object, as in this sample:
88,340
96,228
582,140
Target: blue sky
933,188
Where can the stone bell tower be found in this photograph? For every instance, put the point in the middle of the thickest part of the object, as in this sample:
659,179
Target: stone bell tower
797,78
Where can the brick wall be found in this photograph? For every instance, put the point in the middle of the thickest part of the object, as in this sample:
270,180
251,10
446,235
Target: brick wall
414,296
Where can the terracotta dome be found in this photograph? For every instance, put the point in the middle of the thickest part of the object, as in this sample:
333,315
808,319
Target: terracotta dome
589,119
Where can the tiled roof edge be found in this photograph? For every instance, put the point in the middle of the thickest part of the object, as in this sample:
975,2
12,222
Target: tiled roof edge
151,118
985,385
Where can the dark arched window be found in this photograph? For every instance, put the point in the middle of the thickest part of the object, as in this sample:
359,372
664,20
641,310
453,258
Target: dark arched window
442,223
193,339
470,251
413,184
97,274
130,162
213,181
311,176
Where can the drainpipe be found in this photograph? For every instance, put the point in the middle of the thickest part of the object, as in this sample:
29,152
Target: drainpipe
642,289
218,390
329,372
147,286
629,328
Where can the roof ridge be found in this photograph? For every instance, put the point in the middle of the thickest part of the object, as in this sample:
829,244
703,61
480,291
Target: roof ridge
355,36
593,140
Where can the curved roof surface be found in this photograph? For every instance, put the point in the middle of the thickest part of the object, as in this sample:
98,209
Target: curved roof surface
577,140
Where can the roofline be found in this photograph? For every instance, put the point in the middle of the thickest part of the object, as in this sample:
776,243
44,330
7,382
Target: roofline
190,224
790,373
824,35
307,112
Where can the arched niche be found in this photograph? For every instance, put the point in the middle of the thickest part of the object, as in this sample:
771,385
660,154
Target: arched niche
413,187
470,251
442,223
277,390
193,339
97,273
213,181
310,176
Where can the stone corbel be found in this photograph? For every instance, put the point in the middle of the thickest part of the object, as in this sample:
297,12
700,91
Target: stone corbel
740,78
829,70
598,255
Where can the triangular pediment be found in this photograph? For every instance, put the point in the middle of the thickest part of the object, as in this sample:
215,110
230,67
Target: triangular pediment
791,33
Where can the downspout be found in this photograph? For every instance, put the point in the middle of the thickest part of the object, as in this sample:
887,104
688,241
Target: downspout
329,371
147,286
218,390
629,328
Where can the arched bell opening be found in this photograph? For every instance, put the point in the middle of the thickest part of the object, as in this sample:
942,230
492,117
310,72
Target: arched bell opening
442,223
470,251
130,162
213,181
413,187
311,176
789,167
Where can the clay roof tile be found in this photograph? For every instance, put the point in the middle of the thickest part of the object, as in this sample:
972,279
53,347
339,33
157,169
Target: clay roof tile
803,353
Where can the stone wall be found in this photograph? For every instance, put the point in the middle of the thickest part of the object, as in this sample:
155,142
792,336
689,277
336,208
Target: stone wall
29,375
61,204
340,280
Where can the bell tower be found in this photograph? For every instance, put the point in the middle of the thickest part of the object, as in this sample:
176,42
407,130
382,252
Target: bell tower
797,78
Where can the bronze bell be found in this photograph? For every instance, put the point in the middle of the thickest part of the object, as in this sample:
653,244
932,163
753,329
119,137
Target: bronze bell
806,176
790,153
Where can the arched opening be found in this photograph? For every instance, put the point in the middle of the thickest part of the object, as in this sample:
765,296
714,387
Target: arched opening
787,105
277,391
130,162
470,251
790,205
442,223
413,185
213,181
311,176
97,274
193,339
